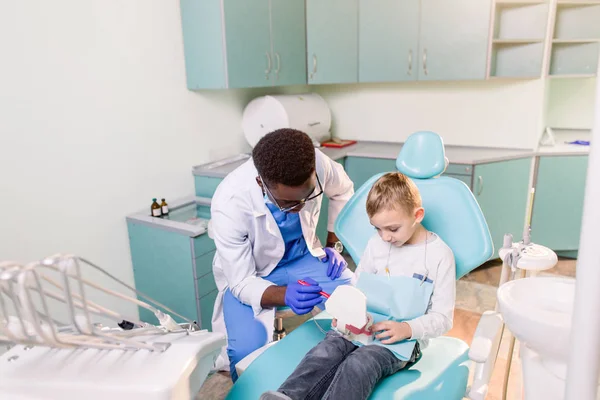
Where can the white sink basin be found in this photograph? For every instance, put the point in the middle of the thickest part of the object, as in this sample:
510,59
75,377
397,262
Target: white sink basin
538,311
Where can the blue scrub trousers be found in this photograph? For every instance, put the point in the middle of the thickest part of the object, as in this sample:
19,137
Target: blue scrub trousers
246,334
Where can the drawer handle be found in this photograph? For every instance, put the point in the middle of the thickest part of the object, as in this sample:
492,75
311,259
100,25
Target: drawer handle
278,66
480,185
268,70
425,61
409,62
314,70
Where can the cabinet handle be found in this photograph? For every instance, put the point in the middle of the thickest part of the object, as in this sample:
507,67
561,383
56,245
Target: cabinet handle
409,62
314,70
480,185
278,65
425,61
268,70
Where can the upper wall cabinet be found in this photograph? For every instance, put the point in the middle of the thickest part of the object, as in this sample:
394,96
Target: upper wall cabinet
241,43
332,41
388,40
453,42
576,39
423,39
520,30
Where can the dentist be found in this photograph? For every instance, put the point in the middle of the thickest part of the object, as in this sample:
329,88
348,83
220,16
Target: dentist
264,216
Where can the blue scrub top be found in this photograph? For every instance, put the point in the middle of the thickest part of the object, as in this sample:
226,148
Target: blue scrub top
291,231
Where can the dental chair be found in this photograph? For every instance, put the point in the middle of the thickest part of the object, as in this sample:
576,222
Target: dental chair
452,212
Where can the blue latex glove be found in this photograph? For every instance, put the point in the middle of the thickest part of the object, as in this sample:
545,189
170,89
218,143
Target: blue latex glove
301,299
337,264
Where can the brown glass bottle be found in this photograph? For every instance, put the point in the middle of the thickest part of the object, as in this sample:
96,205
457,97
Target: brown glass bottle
155,209
164,207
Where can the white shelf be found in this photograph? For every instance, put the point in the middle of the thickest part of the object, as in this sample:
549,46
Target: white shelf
568,3
517,41
570,76
574,58
578,23
526,23
517,3
575,41
517,60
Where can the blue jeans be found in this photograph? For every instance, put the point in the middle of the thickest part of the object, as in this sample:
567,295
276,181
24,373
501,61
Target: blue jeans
245,333
338,369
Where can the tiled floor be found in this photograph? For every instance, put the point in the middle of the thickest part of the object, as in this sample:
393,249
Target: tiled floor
475,293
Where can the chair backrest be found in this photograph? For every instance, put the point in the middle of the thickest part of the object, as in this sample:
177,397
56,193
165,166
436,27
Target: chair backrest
451,210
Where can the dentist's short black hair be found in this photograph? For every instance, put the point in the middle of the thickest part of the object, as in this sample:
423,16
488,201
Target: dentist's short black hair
285,156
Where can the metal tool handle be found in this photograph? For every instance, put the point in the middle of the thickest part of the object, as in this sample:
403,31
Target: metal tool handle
480,185
425,61
410,55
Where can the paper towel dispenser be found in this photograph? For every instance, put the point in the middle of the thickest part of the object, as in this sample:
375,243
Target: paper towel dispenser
308,113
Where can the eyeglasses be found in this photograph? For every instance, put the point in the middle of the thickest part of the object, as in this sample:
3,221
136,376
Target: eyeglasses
297,205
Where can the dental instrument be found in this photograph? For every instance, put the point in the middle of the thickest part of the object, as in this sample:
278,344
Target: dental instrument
322,293
67,344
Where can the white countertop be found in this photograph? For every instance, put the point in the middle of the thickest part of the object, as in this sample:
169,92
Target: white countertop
465,155
561,148
455,154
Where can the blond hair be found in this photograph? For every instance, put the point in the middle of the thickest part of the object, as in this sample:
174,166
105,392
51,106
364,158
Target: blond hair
393,191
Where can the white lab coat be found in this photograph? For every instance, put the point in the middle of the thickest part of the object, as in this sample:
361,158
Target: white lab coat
248,241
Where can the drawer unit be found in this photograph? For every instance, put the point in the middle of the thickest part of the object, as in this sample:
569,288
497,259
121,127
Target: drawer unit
172,260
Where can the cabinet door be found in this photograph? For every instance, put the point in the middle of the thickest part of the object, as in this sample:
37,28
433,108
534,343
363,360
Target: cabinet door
558,204
288,35
361,169
248,43
332,41
388,40
501,189
454,39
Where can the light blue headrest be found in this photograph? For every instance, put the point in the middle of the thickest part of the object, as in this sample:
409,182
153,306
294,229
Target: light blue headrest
422,156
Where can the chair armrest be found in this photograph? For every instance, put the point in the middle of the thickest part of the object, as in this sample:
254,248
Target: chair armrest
483,351
485,335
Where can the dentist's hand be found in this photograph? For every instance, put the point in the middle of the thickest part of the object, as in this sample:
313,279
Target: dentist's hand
301,299
337,264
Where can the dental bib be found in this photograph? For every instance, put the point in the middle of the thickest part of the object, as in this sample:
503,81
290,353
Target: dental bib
378,298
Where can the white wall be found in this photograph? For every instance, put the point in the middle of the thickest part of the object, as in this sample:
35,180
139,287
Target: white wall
571,103
95,121
501,113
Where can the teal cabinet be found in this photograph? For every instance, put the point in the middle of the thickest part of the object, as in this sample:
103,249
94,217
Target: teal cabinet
332,41
322,231
172,267
361,169
248,43
502,189
243,44
423,40
388,40
288,35
558,202
206,186
453,39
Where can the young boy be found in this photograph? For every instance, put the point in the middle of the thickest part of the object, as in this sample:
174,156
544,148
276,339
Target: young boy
338,369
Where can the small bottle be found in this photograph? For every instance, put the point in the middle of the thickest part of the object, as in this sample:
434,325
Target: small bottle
155,209
164,207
